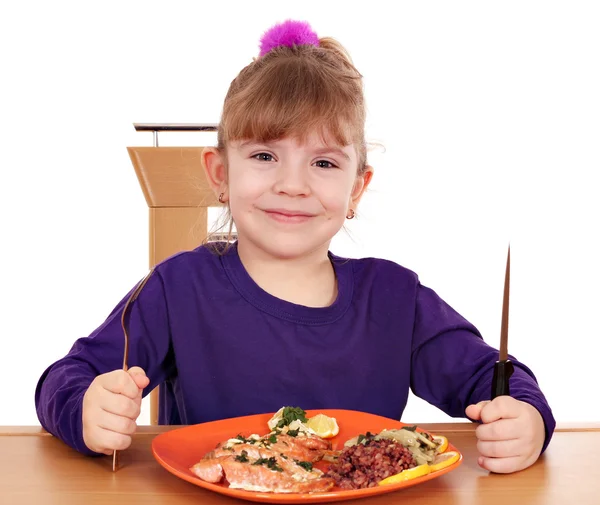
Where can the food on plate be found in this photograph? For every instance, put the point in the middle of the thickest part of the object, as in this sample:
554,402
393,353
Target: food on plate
443,460
364,464
388,457
285,416
411,473
284,460
442,442
280,461
295,418
274,463
423,446
323,426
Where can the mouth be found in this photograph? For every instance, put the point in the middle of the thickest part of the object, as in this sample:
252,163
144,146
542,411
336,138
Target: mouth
288,216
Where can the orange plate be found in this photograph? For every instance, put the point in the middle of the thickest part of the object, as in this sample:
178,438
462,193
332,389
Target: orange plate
180,449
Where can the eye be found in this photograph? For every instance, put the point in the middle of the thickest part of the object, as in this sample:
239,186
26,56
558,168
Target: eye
325,164
263,157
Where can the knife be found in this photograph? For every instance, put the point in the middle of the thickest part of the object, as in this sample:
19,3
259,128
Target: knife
503,368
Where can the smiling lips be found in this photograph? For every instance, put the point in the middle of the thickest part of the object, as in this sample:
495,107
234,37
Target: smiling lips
288,216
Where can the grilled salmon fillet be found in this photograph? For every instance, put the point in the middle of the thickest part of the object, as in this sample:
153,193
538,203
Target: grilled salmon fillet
279,464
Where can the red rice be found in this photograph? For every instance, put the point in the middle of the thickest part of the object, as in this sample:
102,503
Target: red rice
361,466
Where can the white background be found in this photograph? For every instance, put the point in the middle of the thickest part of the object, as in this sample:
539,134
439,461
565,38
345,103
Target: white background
488,111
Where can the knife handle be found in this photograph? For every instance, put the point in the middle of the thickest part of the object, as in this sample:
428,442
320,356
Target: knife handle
502,372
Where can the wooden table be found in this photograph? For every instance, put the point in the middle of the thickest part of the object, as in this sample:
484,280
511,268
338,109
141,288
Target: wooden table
36,468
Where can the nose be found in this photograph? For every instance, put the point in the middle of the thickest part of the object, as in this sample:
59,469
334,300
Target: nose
292,180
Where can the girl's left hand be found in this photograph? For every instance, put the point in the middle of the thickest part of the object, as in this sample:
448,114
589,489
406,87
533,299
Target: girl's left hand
511,435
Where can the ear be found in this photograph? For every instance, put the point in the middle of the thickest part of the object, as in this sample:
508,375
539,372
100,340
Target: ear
213,162
360,186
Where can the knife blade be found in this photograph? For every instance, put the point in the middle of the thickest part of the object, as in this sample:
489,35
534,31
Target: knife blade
503,368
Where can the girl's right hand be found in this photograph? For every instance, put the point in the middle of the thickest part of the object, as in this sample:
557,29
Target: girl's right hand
111,406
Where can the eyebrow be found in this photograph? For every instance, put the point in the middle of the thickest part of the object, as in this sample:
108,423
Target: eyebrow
319,151
333,150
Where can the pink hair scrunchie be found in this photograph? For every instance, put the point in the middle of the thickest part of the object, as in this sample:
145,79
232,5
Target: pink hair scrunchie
289,33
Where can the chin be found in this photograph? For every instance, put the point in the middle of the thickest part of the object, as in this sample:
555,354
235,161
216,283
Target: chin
291,247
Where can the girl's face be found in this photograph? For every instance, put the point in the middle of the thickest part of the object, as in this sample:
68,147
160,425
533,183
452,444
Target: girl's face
289,199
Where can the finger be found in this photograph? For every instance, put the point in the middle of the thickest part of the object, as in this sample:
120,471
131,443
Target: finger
139,377
504,429
501,407
500,448
501,465
141,381
474,411
136,370
119,405
118,424
109,441
120,382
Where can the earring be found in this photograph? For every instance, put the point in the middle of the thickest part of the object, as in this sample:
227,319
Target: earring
221,198
350,214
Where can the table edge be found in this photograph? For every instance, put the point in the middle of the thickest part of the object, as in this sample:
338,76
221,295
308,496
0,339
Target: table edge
441,428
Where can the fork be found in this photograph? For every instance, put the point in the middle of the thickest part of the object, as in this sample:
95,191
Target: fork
124,325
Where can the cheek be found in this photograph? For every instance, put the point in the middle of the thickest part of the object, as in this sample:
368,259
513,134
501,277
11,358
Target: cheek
244,185
338,205
246,192
336,196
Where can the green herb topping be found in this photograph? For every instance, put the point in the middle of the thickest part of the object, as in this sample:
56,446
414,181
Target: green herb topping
245,440
290,414
307,465
242,457
365,439
270,462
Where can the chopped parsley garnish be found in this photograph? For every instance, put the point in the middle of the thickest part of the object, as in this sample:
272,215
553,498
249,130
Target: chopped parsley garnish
242,457
270,462
290,414
307,465
365,439
245,440
410,428
293,433
272,439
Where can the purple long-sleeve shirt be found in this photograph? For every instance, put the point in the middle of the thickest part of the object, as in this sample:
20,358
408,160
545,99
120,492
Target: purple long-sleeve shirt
222,347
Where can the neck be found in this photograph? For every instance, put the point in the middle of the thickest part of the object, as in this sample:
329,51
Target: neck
305,280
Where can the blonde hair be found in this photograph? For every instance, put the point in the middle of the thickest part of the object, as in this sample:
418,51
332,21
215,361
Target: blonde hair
292,92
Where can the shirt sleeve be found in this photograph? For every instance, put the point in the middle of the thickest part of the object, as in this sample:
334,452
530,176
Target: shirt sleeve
60,389
452,367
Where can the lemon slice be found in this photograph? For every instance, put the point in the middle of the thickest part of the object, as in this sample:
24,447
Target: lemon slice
443,460
323,426
442,442
411,473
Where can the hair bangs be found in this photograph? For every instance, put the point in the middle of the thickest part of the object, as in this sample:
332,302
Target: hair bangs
295,99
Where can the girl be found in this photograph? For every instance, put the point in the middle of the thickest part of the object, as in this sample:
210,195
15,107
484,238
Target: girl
275,318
